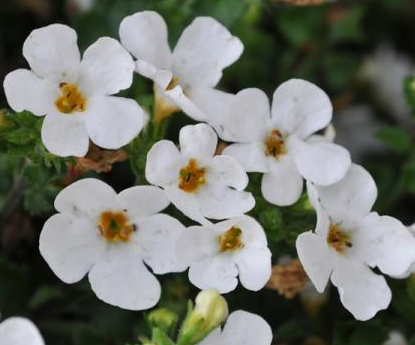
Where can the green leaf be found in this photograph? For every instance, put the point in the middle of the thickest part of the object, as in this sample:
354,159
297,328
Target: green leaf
409,90
396,138
348,27
161,338
43,295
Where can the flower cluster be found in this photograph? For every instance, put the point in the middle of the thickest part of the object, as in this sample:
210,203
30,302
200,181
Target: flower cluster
116,238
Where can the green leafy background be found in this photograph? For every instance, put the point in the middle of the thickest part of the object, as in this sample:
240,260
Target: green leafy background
326,44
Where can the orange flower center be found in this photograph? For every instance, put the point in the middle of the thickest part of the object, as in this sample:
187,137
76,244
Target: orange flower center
191,177
231,240
338,239
274,144
115,226
71,99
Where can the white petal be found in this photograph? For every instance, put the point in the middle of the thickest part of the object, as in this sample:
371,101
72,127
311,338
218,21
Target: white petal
86,198
141,201
203,50
226,171
145,35
113,122
316,257
163,164
249,116
218,272
121,279
323,220
301,108
26,91
214,104
223,202
253,235
187,203
106,68
52,53
362,292
19,331
250,155
183,102
384,242
196,243
157,236
254,266
213,338
198,141
244,328
321,163
65,134
70,246
351,198
283,184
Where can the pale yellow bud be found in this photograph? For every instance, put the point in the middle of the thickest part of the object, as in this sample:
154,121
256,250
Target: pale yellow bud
210,311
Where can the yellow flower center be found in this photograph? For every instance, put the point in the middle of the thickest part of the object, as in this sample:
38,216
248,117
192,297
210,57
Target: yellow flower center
71,99
231,240
191,177
274,144
115,226
338,238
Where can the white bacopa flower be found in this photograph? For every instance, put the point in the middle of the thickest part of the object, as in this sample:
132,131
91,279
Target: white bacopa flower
279,142
19,331
198,183
189,73
241,328
396,338
75,95
349,240
411,268
110,236
218,253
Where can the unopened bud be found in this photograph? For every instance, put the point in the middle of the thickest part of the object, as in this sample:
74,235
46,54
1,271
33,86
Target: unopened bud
210,311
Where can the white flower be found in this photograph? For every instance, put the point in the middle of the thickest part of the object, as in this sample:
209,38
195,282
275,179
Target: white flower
83,5
185,77
411,268
349,240
75,95
198,183
241,328
385,70
395,338
218,253
109,235
279,142
19,331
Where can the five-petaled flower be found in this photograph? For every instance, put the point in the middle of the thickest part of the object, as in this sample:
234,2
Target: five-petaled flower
19,331
279,142
241,328
110,236
185,78
75,95
198,183
218,253
349,240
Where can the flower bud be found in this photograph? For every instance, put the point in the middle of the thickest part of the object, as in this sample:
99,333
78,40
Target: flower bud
163,318
210,311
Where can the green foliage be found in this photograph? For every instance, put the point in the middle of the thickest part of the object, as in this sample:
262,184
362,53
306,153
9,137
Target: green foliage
397,138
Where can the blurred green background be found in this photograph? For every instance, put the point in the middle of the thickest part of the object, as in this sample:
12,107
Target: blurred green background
360,52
